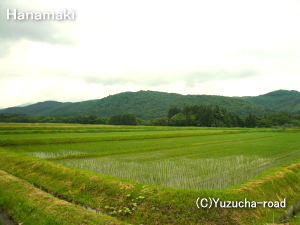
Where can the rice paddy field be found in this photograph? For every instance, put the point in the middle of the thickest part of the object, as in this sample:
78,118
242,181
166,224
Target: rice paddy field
191,160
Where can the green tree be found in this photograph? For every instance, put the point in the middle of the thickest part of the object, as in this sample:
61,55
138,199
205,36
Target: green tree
92,119
250,120
173,111
116,120
178,120
129,119
234,122
164,121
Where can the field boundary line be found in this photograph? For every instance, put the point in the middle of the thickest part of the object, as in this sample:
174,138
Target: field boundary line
55,194
215,142
62,140
80,156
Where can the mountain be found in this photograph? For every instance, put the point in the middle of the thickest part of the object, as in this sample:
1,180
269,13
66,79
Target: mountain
144,104
37,109
24,104
280,100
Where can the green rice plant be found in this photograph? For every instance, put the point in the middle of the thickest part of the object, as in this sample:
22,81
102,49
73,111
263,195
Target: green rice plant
210,166
184,173
44,155
43,139
117,147
160,205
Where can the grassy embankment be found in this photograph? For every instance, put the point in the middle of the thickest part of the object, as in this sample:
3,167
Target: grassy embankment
295,220
48,128
165,205
137,203
29,205
43,139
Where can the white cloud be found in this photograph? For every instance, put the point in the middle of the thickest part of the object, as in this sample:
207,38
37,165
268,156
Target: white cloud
192,47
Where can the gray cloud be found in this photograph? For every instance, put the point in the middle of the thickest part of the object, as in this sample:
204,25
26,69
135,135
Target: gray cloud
51,32
266,53
134,79
202,76
37,31
190,78
4,48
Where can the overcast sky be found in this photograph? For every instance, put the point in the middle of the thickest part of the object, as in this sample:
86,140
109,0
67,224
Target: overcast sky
231,48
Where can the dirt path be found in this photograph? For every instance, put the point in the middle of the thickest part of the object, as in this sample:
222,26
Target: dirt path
4,219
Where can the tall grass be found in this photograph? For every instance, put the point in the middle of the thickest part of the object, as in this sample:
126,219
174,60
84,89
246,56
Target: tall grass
194,174
115,147
212,173
159,205
42,139
45,155
212,166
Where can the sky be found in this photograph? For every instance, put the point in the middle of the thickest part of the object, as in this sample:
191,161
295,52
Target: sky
216,47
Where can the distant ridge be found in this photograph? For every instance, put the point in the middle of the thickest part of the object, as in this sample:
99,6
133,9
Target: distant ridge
280,100
25,104
36,109
153,104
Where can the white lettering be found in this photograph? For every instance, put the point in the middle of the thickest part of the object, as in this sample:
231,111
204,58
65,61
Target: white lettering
65,15
27,15
228,204
46,16
216,202
265,202
38,16
270,204
234,204
241,204
247,203
59,16
222,204
8,14
201,203
21,16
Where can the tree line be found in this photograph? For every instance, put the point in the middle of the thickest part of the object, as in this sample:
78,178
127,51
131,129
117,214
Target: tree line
125,119
194,115
199,115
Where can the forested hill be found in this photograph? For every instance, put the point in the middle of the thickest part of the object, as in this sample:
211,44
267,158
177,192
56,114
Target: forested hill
281,100
144,104
37,109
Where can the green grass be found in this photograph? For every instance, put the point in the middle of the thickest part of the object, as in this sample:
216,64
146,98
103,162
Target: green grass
156,173
30,139
202,166
112,134
30,206
158,204
114,147
295,220
95,127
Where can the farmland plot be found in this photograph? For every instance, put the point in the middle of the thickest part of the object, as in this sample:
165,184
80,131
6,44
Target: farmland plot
204,166
112,147
181,158
198,158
